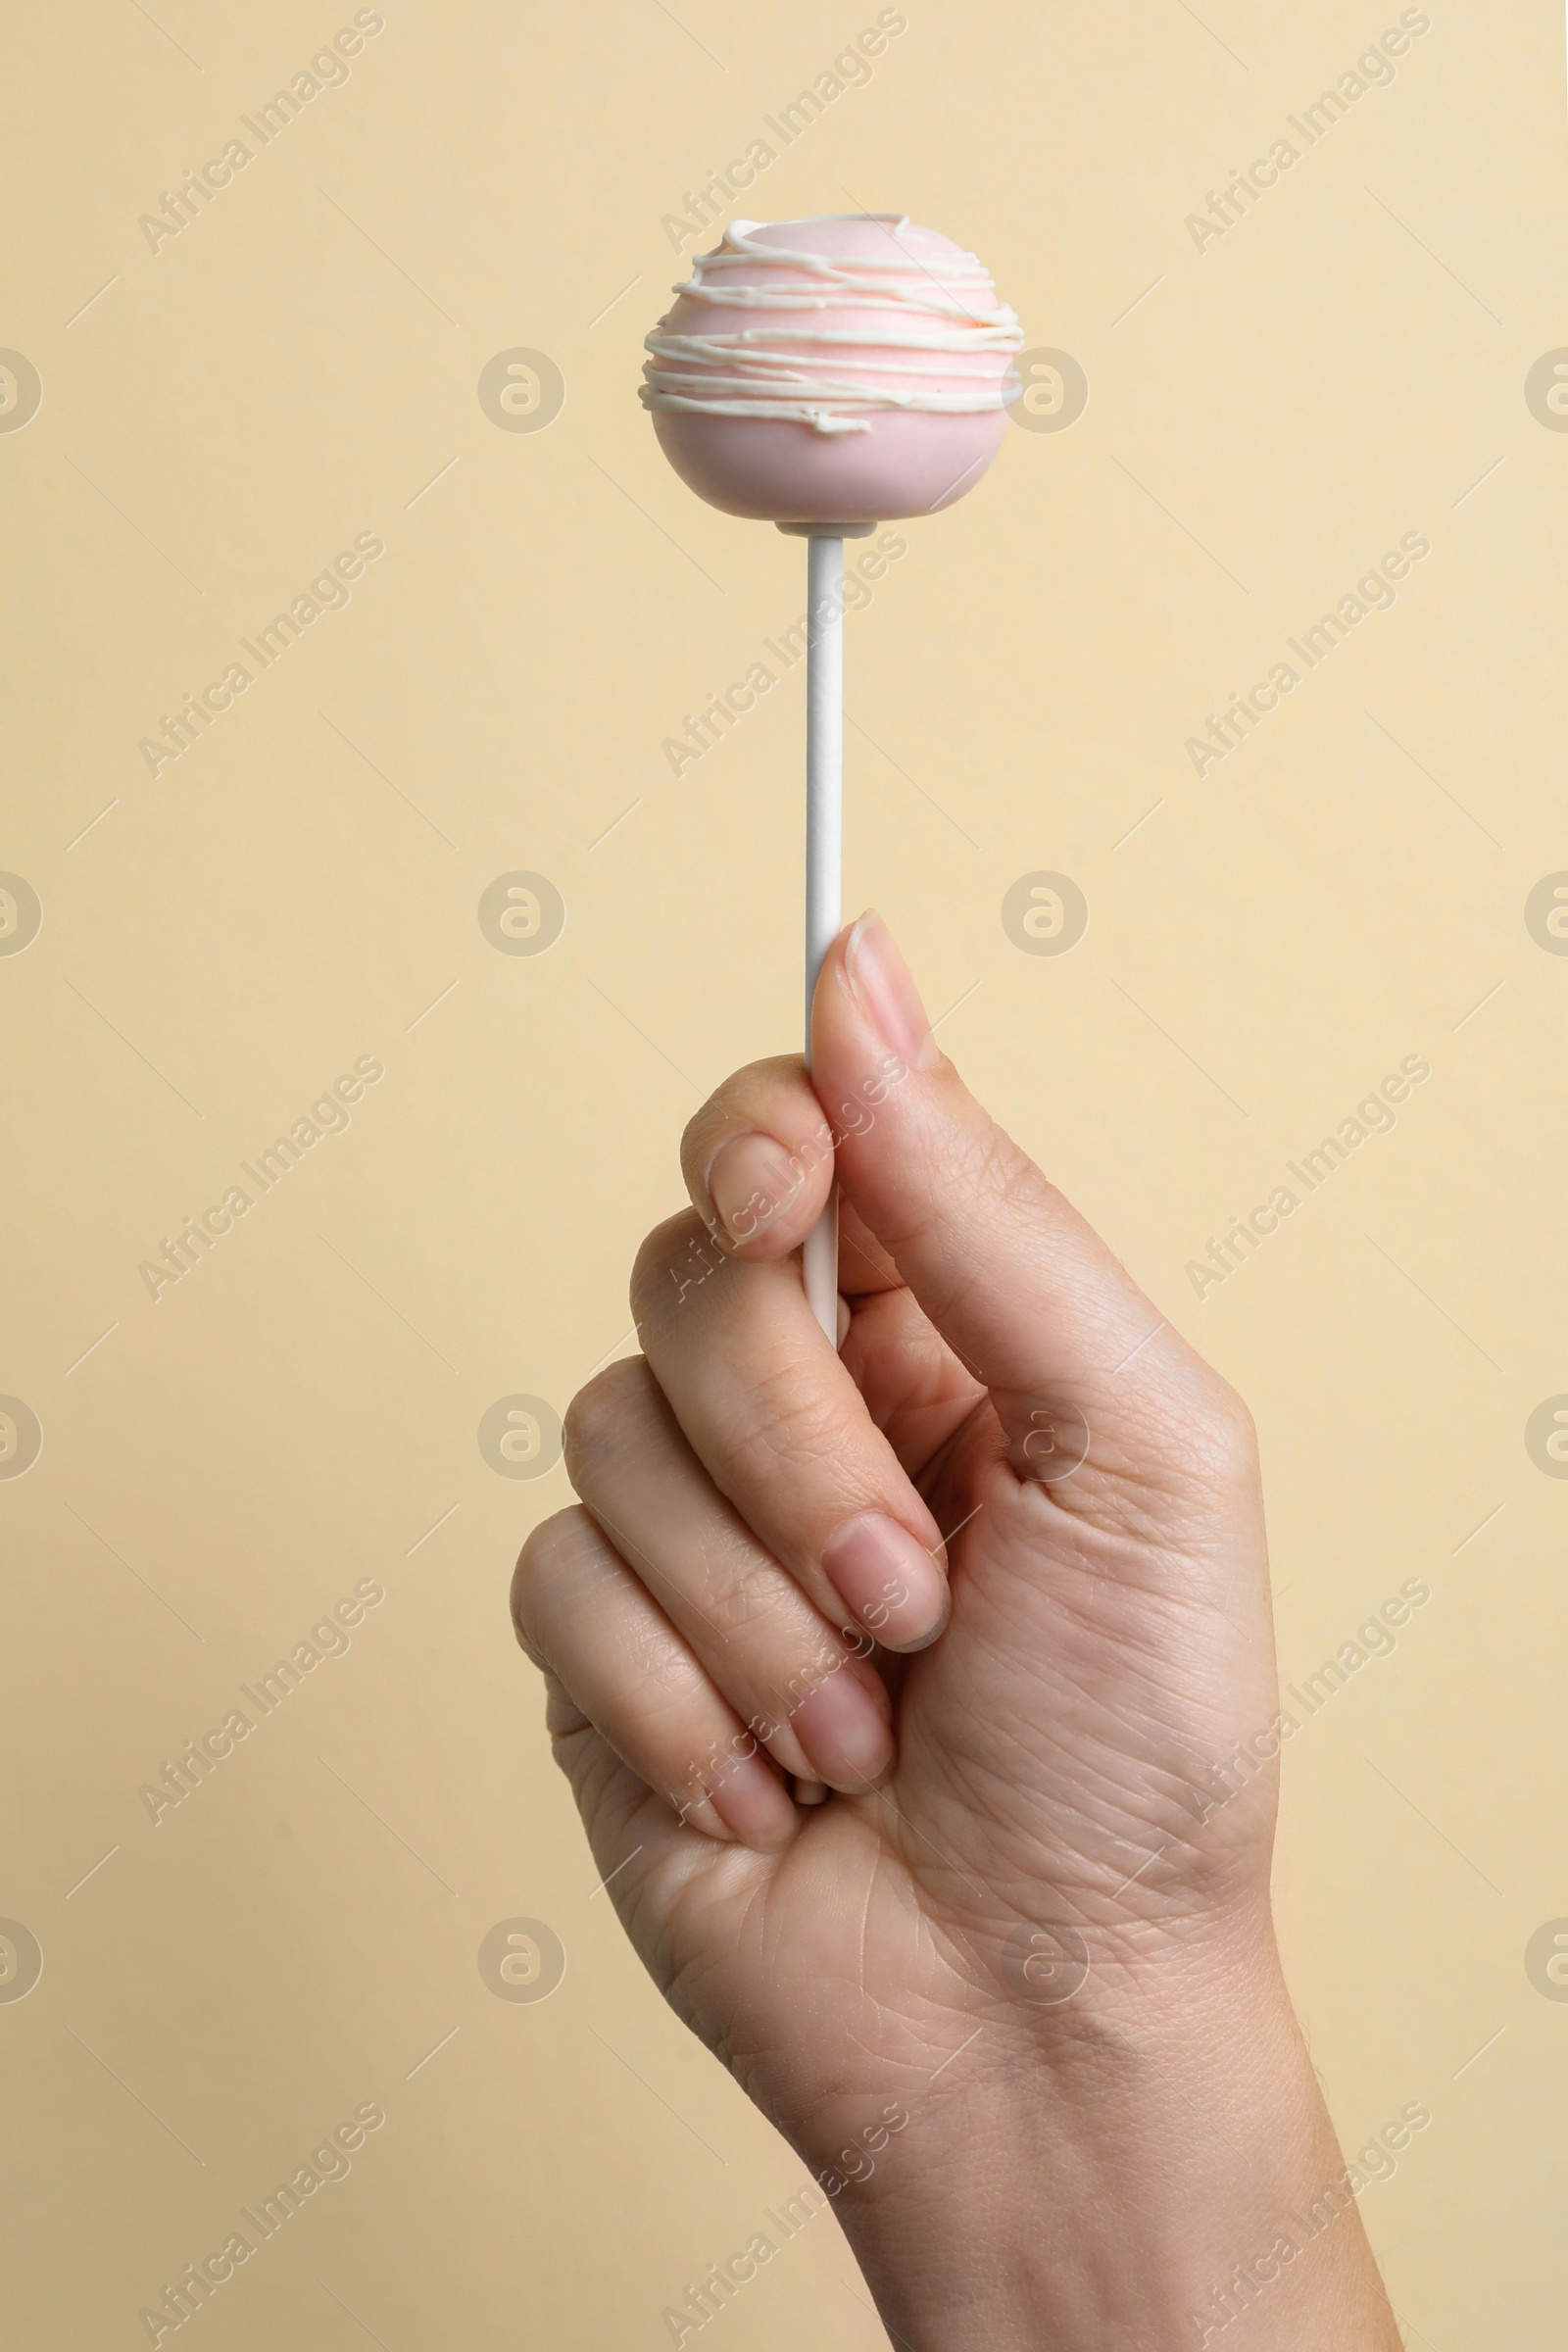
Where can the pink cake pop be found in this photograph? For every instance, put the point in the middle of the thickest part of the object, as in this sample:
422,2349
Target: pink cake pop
852,369
829,375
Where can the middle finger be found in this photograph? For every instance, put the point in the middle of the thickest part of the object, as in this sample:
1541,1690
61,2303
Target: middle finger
808,1695
782,1429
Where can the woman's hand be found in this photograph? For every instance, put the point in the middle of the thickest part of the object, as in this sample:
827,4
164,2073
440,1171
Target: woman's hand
995,1576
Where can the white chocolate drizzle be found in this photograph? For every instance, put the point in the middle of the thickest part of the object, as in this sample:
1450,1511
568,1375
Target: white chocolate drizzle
936,314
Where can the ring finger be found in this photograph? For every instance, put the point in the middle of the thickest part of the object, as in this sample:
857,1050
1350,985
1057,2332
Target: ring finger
614,1661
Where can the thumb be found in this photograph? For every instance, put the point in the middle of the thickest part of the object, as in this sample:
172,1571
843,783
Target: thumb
1077,1359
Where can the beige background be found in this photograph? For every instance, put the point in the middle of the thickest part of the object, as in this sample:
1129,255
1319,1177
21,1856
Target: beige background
219,942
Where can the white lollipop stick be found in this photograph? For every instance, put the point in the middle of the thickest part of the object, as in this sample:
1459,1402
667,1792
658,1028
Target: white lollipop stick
824,859
824,836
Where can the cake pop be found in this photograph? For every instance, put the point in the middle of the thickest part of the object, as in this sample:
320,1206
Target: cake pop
827,374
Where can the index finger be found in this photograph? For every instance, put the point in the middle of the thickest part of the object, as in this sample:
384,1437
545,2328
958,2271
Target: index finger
759,1157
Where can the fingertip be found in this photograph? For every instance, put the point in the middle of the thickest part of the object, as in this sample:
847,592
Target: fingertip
701,1814
890,1583
761,1198
872,989
758,1158
843,1724
755,1807
910,1645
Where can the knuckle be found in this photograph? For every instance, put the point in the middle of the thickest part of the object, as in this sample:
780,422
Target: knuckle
737,1590
784,1424
669,1259
550,1569
670,1680
602,1415
1004,1168
753,1604
741,1102
564,1718
1235,1427
986,1163
1224,1434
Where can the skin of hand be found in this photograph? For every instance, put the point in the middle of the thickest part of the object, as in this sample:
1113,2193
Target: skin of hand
994,1575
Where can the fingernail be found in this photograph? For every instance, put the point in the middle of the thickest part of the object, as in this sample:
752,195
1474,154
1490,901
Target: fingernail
887,1580
753,1801
844,1733
750,1178
888,995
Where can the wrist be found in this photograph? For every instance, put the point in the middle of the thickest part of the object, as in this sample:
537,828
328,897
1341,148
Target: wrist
1154,2169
